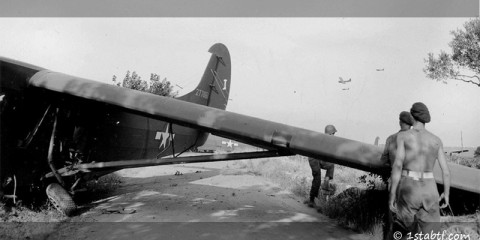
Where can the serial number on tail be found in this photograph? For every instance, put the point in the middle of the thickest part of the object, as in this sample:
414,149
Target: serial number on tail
201,93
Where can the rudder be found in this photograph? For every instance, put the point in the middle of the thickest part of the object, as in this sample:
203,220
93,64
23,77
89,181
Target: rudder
214,87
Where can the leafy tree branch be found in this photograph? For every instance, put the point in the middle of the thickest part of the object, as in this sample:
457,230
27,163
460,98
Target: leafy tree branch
463,63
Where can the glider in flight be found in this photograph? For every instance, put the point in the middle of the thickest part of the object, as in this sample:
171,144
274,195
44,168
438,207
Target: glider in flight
344,81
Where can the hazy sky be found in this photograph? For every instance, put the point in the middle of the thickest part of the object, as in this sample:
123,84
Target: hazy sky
283,69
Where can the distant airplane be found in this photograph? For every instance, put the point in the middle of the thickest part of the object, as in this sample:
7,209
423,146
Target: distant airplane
380,69
345,88
344,81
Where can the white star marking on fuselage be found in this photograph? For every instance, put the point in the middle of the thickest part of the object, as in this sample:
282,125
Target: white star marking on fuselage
164,137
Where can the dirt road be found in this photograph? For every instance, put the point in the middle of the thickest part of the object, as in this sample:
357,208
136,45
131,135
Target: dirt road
198,201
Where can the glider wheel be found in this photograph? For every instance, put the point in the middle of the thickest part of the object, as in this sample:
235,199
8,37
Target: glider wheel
60,199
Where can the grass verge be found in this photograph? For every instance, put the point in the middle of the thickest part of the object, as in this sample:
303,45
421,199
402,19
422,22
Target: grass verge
360,199
45,212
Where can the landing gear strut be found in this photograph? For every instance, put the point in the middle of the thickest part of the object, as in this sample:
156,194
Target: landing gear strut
56,192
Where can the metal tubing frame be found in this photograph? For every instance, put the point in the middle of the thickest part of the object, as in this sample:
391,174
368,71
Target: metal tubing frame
176,160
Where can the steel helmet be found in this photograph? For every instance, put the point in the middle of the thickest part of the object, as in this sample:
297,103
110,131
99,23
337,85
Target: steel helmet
330,129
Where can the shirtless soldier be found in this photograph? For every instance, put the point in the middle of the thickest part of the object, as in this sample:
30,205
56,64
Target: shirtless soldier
406,122
413,195
388,156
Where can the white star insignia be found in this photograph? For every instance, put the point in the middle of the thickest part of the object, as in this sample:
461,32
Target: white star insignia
164,137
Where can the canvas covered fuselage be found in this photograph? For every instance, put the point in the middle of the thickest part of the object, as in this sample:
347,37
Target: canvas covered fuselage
110,132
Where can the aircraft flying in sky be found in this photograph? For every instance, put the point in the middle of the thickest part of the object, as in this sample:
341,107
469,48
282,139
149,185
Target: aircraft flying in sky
344,81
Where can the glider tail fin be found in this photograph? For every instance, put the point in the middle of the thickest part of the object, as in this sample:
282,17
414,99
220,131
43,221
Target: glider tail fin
214,87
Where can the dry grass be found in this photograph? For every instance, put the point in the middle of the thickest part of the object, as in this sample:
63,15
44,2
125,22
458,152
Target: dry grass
473,162
463,225
357,204
45,212
287,172
351,205
101,187
359,209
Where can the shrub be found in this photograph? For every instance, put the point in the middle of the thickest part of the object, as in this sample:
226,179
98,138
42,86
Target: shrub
477,152
466,161
360,209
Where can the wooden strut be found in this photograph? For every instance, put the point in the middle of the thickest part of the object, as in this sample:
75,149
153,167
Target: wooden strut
32,134
50,151
172,140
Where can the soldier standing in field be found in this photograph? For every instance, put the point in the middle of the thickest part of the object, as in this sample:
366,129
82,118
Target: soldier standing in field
388,156
414,197
316,165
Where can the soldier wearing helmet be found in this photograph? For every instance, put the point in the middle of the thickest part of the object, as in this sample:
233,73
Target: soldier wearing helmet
316,165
